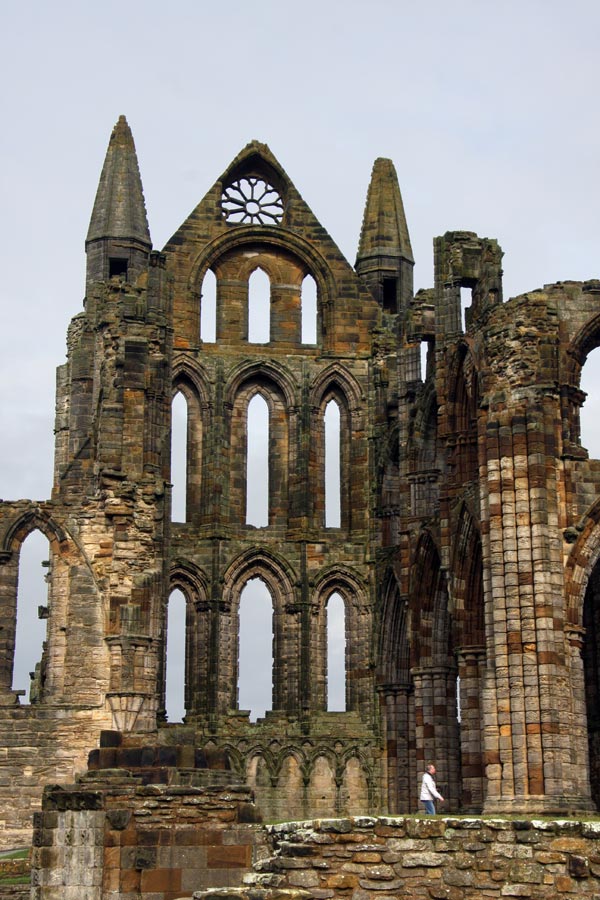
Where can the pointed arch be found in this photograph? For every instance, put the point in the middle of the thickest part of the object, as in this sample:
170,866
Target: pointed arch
335,612
350,587
274,241
280,581
393,643
192,383
32,611
179,450
335,385
469,642
257,461
31,519
267,372
333,463
463,404
259,380
176,631
433,665
259,307
429,615
71,588
467,581
335,377
572,396
396,692
208,308
255,658
193,583
309,310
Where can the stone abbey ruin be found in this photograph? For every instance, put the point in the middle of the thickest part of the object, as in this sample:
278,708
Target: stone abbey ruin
466,551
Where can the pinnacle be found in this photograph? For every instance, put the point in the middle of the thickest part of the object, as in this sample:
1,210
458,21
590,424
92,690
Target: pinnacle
384,230
119,209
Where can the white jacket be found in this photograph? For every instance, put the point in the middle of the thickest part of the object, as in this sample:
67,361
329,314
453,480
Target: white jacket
428,788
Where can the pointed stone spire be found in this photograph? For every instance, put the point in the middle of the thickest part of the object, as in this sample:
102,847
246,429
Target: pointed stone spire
118,229
384,250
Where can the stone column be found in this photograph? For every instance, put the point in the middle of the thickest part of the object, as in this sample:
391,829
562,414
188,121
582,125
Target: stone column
436,728
529,741
471,666
399,741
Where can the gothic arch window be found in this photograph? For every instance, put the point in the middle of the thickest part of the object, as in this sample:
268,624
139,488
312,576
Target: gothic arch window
257,462
255,642
341,641
308,309
273,578
332,450
186,665
259,307
179,442
336,653
187,414
208,308
259,434
176,656
333,464
29,664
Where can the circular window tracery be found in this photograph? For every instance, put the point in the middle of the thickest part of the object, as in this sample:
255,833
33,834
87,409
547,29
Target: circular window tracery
252,201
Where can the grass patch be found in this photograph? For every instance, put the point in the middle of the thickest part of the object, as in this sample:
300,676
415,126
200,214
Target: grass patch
15,854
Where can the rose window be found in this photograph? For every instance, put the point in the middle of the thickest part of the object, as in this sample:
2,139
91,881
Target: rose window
251,201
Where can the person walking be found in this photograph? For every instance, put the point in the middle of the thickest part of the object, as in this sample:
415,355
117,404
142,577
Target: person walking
429,792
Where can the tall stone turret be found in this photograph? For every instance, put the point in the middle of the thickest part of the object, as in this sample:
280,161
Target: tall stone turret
118,240
384,260
112,425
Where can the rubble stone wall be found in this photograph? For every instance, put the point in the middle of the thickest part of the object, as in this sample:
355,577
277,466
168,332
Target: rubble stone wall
364,858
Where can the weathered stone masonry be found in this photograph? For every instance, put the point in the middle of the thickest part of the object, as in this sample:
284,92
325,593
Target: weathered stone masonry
467,549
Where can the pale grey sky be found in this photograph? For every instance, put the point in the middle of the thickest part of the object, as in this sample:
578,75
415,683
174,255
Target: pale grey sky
489,112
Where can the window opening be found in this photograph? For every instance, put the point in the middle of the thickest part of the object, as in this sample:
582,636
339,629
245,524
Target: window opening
32,616
208,308
257,463
308,306
175,661
117,267
332,466
390,295
255,680
589,419
259,308
179,429
336,654
424,359
466,299
252,201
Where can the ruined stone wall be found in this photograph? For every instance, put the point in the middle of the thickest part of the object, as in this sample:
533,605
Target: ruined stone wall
100,839
453,858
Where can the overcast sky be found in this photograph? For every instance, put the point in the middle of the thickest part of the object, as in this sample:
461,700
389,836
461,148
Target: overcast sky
489,112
